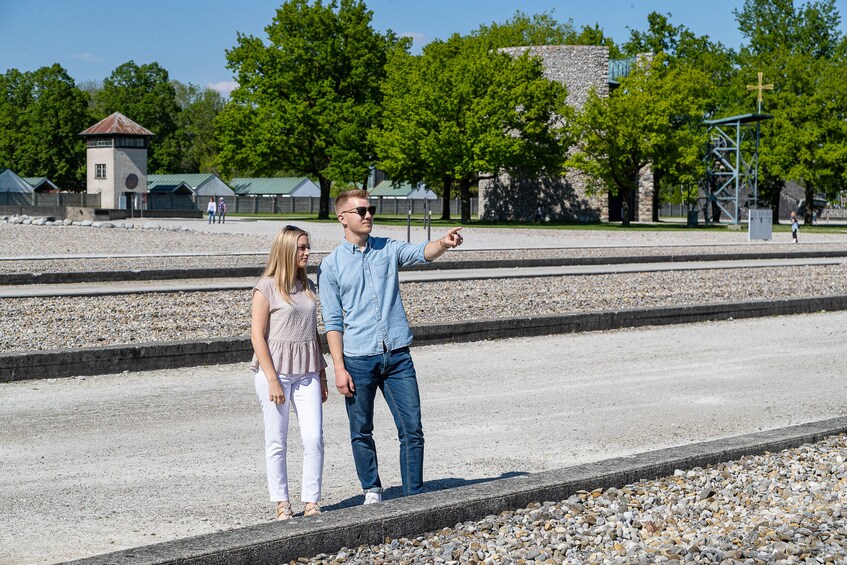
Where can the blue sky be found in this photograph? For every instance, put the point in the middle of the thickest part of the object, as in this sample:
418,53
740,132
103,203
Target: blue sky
90,38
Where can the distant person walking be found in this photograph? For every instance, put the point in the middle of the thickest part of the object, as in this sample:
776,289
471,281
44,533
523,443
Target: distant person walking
222,211
211,208
289,368
795,227
369,336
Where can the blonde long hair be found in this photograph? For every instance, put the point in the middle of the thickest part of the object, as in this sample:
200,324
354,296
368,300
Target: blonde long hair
282,263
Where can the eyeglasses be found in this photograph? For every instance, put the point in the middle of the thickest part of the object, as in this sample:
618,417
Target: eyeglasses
362,210
289,227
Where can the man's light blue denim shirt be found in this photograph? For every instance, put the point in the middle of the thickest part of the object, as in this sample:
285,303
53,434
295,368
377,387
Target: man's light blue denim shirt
360,294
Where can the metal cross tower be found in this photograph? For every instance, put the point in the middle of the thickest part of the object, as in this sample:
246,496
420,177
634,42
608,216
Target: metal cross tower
732,180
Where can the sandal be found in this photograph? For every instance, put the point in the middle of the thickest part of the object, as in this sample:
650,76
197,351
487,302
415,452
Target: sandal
312,509
283,510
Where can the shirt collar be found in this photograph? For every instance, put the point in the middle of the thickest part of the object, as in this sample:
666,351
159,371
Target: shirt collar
353,247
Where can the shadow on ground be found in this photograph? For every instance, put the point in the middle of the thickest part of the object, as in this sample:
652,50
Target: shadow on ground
429,486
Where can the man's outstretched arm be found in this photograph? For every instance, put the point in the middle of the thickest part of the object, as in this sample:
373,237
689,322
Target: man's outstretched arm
437,248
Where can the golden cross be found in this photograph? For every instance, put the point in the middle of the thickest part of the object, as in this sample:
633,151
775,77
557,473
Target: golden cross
760,87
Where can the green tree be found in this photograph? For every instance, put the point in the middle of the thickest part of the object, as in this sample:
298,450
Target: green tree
690,58
307,99
543,29
41,115
196,126
653,118
799,49
145,94
463,111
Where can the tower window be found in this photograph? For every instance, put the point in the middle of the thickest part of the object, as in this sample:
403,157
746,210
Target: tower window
100,171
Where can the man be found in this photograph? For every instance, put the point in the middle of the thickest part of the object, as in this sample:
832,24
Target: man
369,336
222,211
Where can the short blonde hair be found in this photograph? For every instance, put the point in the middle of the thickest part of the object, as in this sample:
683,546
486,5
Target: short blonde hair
342,198
282,263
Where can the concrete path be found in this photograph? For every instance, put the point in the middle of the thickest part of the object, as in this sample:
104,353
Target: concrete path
102,463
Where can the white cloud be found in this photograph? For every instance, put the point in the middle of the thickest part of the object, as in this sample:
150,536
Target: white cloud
224,87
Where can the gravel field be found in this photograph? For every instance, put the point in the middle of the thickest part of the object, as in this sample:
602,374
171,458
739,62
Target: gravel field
69,322
56,323
786,507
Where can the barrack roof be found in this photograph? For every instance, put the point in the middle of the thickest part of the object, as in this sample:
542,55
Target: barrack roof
117,124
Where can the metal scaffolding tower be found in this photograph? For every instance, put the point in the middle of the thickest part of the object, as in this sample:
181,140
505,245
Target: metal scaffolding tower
732,179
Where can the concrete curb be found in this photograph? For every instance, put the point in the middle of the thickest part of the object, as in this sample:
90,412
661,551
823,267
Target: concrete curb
238,272
18,366
351,527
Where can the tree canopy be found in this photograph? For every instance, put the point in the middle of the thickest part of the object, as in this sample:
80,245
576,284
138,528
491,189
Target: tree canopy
462,111
800,50
308,98
144,94
653,118
41,115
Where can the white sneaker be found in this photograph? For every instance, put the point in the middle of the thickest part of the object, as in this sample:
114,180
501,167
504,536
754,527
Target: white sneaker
373,497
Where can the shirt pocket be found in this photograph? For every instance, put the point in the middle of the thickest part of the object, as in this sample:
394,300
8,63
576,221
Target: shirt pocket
383,268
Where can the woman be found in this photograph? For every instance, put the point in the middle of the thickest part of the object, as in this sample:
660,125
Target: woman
290,367
211,209
795,227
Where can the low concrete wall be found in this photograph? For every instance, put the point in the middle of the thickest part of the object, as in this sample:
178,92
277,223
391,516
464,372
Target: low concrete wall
151,356
275,543
57,212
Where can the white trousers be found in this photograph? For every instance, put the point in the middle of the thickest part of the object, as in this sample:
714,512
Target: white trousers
303,393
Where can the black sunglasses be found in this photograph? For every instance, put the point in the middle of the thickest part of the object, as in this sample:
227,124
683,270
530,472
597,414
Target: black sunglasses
362,210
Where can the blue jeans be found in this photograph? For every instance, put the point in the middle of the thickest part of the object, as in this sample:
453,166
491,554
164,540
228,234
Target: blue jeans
393,373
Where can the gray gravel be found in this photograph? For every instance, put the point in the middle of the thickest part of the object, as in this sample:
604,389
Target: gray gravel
783,507
68,322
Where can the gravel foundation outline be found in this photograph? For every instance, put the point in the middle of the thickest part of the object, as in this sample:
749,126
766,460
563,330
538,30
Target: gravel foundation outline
19,366
237,272
351,527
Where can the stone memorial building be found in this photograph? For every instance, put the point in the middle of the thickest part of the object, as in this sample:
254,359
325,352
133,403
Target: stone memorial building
580,68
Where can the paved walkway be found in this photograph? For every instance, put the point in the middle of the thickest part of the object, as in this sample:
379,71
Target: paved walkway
102,463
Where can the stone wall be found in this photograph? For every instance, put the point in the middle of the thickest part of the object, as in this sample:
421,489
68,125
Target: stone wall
580,68
644,196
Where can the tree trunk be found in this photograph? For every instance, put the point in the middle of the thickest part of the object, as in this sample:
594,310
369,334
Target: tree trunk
323,208
446,193
775,206
625,206
465,194
810,204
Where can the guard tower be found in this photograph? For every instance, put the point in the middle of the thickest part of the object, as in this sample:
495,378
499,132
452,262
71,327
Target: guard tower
116,159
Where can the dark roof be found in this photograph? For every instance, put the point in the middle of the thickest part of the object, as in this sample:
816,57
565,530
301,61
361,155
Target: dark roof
179,187
743,118
267,185
117,124
40,183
